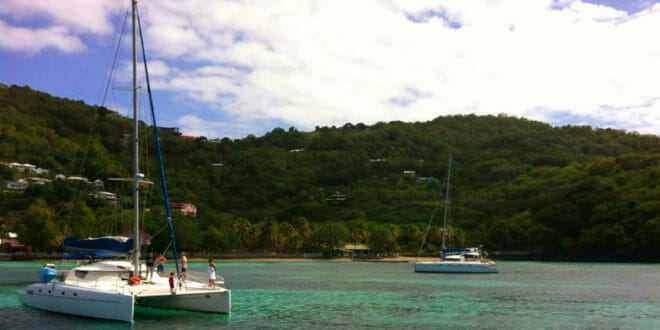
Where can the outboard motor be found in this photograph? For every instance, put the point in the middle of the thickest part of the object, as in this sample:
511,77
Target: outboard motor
47,274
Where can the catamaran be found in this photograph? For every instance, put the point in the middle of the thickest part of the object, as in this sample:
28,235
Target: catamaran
456,260
111,289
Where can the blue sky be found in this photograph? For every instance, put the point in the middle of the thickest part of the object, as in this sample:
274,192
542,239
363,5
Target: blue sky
227,68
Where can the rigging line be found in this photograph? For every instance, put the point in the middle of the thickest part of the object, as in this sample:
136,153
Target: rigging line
159,230
115,59
161,168
167,247
428,227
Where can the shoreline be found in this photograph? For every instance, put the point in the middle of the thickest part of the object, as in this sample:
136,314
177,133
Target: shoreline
399,259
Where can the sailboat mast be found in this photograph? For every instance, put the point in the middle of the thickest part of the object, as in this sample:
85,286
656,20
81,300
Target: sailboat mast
136,192
444,221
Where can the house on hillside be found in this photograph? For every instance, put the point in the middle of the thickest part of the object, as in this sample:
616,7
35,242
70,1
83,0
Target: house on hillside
23,167
422,179
18,185
336,197
185,208
41,171
145,183
38,180
96,184
77,178
107,196
11,243
174,130
409,173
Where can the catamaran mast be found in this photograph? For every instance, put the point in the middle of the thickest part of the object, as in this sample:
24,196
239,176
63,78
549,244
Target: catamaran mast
444,221
136,192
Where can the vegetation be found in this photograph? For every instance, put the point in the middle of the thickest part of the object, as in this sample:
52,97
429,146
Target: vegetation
518,185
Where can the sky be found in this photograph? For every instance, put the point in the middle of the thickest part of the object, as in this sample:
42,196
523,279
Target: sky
229,68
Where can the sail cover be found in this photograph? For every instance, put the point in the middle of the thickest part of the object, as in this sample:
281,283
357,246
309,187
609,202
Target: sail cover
455,250
86,255
111,245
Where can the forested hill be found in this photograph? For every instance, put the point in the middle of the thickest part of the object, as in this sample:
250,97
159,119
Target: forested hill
517,185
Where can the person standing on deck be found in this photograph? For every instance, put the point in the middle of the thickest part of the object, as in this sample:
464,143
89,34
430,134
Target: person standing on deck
211,271
150,266
184,266
171,281
160,264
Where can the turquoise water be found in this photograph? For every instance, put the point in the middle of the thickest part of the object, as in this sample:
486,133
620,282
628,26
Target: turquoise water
390,295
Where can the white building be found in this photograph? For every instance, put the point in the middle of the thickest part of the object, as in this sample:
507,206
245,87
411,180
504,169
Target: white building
20,184
38,180
77,178
107,196
96,184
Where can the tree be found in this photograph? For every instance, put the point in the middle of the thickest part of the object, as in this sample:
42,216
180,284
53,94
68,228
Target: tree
602,241
213,239
6,173
38,228
82,221
271,237
384,238
329,236
294,241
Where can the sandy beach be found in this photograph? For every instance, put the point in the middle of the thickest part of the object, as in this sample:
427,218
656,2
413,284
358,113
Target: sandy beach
338,259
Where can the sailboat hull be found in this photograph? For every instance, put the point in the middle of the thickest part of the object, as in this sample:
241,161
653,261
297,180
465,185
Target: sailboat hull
74,300
210,301
454,267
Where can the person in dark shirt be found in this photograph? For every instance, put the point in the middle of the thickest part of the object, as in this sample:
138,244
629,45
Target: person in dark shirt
150,265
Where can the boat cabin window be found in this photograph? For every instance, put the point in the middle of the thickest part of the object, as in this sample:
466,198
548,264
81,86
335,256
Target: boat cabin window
453,257
81,274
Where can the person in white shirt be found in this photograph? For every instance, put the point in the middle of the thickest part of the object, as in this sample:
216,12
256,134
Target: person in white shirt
211,272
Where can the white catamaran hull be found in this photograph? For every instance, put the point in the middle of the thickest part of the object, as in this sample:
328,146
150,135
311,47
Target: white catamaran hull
212,301
454,267
68,299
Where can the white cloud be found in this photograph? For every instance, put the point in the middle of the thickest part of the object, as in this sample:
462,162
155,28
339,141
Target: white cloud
314,63
64,21
34,40
196,126
309,63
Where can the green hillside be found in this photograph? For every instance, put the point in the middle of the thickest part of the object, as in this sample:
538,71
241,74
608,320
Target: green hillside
518,185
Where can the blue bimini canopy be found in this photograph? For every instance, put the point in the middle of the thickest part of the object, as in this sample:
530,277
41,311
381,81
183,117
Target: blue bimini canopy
109,245
455,250
86,255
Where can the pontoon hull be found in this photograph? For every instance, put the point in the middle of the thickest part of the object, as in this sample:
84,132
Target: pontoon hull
73,300
211,301
454,267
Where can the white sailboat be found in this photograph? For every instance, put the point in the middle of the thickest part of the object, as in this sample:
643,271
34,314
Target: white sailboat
457,260
110,289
